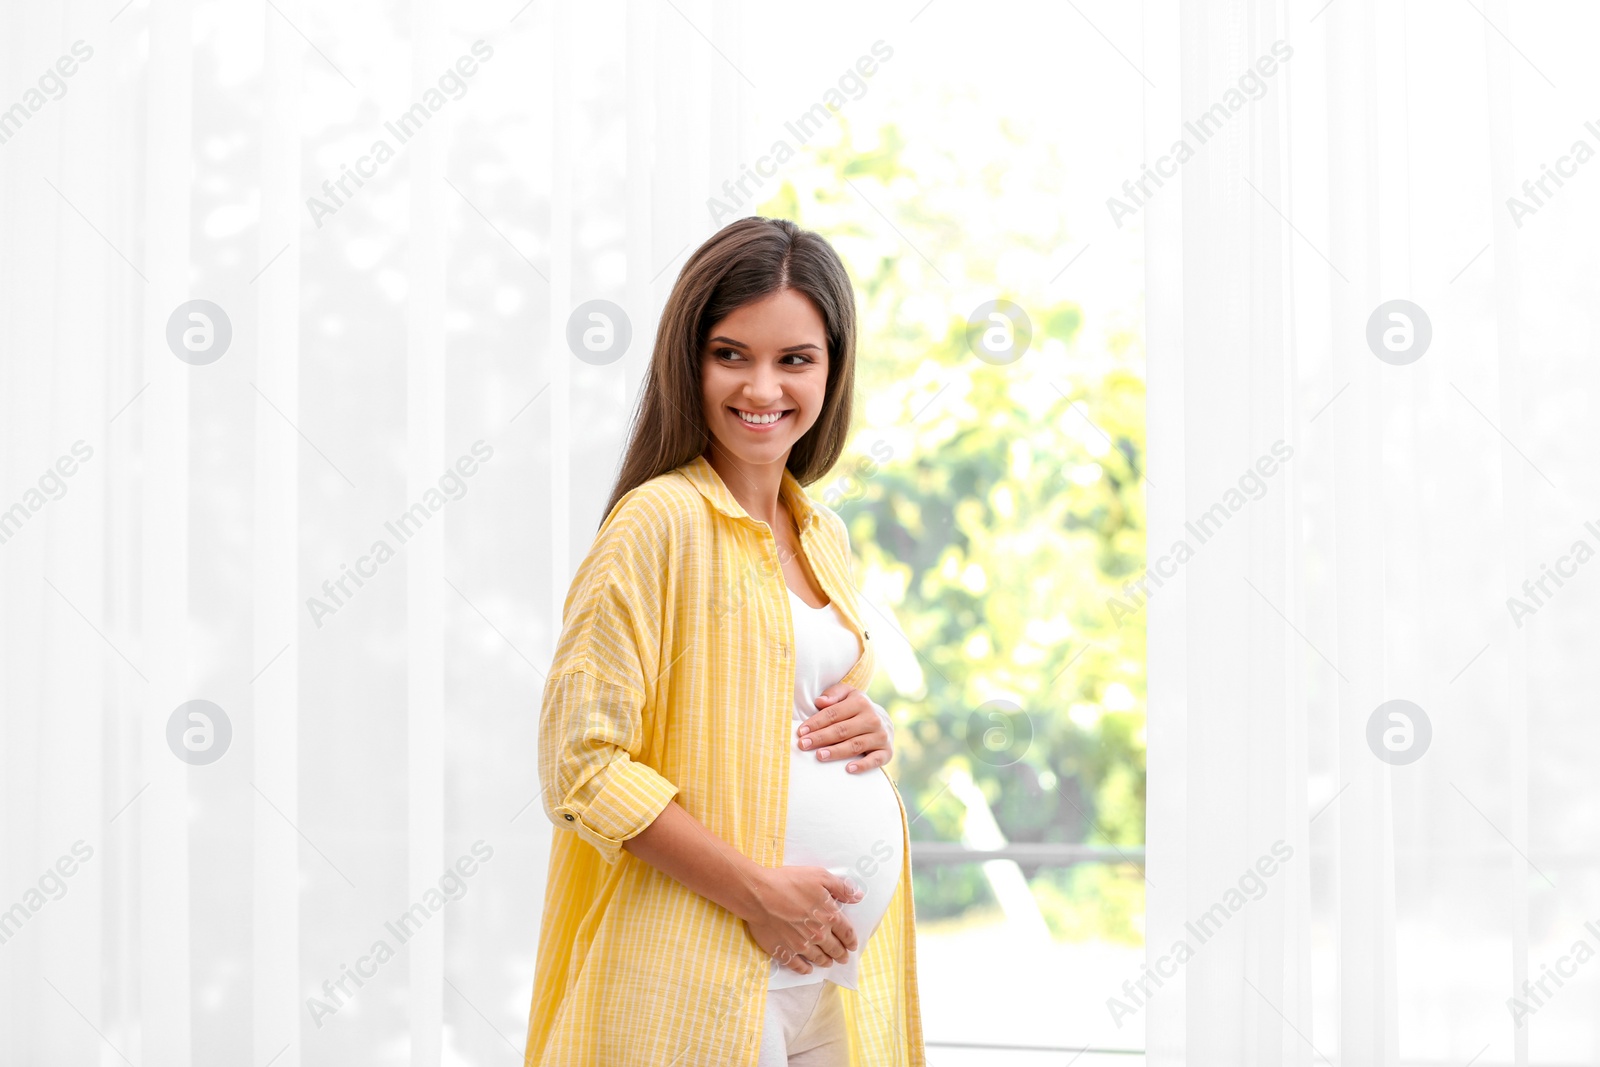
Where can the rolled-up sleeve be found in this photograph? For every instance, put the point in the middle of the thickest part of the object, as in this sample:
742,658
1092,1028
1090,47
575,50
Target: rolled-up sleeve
592,784
594,771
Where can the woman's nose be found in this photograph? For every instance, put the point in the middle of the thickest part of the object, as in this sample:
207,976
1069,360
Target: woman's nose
763,388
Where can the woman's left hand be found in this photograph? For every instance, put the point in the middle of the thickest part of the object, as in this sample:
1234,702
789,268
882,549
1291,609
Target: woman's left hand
847,726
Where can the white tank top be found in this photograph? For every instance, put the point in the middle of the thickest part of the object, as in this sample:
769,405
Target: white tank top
848,823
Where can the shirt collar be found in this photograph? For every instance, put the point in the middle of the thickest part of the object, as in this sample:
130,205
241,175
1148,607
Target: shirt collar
704,477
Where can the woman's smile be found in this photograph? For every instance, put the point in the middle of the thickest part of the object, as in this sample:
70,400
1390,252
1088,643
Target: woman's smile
761,421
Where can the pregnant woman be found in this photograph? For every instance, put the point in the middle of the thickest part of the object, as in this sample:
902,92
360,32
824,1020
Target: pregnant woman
736,885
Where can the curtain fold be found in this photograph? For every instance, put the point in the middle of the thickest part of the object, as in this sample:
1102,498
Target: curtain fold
1354,655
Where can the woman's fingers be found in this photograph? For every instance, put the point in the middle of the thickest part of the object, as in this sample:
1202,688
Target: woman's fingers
848,728
838,705
800,931
863,730
800,959
791,959
870,743
838,926
815,957
819,723
809,955
831,948
876,758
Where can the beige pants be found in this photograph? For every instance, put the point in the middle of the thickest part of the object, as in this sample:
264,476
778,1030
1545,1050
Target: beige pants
805,1028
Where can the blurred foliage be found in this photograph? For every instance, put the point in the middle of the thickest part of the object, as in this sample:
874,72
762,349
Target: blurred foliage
996,511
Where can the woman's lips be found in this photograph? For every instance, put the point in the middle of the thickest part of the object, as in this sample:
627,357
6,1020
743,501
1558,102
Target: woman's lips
761,427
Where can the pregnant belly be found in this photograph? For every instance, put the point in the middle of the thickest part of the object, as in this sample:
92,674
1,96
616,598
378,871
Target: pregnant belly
851,824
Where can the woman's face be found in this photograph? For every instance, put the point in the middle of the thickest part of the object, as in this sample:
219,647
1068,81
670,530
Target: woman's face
769,357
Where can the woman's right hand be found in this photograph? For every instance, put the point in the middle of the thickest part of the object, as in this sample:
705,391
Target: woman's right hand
798,921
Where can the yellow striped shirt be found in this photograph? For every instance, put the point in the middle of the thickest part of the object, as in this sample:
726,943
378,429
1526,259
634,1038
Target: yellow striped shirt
674,678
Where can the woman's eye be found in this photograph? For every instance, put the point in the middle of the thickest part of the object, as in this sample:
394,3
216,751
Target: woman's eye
803,359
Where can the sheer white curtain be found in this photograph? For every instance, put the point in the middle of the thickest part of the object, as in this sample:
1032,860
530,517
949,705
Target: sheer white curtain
1414,871
393,212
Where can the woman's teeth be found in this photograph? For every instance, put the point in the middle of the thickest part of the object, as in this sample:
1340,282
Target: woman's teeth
761,420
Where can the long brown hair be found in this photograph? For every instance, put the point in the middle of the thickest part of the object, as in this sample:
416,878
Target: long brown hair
740,263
